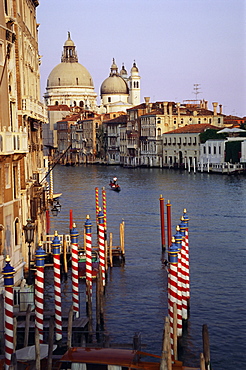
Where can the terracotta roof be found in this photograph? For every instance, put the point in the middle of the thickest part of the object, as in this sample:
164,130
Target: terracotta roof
120,119
61,107
193,129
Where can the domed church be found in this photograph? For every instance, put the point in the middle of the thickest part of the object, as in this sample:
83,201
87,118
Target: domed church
120,92
70,83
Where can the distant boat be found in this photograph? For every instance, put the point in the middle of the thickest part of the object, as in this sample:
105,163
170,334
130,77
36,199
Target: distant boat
82,264
114,186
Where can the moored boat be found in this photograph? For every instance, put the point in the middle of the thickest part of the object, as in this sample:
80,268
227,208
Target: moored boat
82,264
106,358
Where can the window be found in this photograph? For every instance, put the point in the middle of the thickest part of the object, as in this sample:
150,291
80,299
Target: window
1,55
77,81
109,99
7,176
204,150
219,149
59,81
209,150
214,149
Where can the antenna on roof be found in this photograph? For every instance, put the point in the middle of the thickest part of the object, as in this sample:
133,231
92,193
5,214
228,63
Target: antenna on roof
196,90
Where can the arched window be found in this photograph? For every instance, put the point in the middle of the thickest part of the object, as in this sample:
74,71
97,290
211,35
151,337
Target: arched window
81,103
56,103
77,81
59,81
16,231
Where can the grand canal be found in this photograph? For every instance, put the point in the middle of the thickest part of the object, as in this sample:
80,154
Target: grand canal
136,294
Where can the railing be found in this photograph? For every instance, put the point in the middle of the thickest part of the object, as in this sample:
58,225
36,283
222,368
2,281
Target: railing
64,239
13,142
34,109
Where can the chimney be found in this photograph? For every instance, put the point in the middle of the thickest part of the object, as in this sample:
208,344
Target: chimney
215,108
170,109
147,99
220,108
165,108
206,104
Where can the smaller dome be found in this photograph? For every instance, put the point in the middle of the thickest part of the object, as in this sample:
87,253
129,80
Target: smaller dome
114,85
123,71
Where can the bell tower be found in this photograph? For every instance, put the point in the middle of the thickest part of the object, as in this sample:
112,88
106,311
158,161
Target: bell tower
134,86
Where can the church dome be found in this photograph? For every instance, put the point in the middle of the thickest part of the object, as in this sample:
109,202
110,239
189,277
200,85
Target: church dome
69,74
114,85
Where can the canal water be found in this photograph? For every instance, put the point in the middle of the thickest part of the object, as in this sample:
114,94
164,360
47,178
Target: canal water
136,294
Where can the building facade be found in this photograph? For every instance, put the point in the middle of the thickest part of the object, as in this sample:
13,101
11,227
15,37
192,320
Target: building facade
22,168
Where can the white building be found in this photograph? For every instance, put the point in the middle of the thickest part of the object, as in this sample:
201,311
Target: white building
70,83
118,91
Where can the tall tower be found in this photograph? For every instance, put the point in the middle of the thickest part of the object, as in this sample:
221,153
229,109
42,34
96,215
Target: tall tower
134,86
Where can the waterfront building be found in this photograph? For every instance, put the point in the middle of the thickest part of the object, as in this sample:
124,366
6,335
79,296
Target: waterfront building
22,167
114,127
119,91
181,147
223,156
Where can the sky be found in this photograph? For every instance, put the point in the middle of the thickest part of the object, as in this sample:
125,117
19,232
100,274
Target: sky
176,45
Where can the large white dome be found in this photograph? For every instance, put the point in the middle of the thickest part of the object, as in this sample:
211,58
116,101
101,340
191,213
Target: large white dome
69,74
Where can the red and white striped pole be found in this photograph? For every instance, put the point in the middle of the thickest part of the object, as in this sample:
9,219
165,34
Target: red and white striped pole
178,240
172,286
183,275
88,249
97,202
8,273
101,242
56,247
187,258
104,209
75,269
39,292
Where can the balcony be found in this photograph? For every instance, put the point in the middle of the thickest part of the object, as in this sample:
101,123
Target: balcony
34,109
13,142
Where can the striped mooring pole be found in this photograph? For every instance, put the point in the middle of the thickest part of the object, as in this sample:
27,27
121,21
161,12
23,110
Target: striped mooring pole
104,210
97,202
75,269
101,242
8,273
56,249
88,263
184,271
178,239
39,292
187,258
172,287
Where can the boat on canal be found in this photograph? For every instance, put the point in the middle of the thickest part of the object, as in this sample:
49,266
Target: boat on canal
82,263
114,185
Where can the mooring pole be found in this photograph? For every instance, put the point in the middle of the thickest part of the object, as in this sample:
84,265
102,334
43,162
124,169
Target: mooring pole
187,259
172,289
56,248
183,271
178,240
169,226
39,292
8,273
75,269
101,242
163,243
88,263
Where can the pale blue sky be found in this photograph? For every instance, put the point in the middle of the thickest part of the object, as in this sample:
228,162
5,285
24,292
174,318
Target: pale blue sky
175,43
